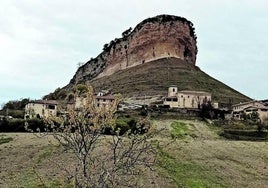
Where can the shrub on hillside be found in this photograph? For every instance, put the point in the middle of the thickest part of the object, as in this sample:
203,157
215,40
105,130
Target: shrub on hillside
18,125
16,113
123,125
236,134
35,125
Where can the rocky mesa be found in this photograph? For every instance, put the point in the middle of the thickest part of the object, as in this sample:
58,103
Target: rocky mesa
158,37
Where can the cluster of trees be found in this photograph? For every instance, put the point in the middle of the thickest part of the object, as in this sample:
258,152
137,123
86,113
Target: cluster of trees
14,108
58,94
18,125
254,117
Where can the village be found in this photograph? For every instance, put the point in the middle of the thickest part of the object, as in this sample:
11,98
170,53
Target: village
138,94
187,101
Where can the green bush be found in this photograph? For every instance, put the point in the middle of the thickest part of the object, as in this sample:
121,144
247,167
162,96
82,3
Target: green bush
122,124
179,130
36,125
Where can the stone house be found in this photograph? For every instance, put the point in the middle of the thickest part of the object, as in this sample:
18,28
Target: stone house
41,109
248,108
186,98
102,99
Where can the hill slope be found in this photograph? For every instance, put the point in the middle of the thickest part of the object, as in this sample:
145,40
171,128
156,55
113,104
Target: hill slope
154,78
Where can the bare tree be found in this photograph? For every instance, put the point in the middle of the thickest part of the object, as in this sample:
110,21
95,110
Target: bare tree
101,161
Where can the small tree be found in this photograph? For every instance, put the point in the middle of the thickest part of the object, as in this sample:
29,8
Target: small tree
206,109
127,32
101,161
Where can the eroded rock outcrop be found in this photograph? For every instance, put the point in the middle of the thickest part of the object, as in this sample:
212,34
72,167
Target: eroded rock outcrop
154,38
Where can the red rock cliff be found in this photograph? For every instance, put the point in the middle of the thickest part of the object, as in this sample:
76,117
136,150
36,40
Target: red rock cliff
154,38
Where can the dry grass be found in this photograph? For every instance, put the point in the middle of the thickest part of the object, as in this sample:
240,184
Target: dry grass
216,162
198,159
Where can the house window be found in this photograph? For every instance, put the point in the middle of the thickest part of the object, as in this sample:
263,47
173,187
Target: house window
175,99
52,107
173,90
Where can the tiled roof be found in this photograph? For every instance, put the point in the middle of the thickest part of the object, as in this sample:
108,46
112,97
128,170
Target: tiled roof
255,107
109,97
245,103
194,92
54,102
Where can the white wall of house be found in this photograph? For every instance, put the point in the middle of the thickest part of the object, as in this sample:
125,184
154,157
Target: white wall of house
104,102
241,106
250,107
172,102
263,114
192,99
42,110
186,99
172,91
101,100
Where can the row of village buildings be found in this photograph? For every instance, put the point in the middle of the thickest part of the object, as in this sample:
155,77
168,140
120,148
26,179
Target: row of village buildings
175,99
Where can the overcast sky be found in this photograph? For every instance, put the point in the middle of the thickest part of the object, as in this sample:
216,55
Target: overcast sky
41,42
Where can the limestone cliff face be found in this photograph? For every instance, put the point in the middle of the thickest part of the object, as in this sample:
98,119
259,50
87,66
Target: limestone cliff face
154,38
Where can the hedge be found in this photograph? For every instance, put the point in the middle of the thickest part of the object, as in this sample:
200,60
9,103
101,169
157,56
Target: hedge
18,125
251,135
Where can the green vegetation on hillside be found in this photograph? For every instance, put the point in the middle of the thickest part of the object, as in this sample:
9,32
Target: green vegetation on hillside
154,78
185,173
242,130
179,129
14,108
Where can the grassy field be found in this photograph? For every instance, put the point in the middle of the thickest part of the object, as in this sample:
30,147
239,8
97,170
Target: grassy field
190,154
